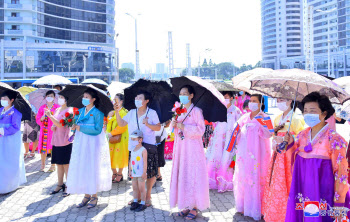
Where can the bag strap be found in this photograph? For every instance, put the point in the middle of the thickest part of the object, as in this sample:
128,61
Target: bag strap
137,118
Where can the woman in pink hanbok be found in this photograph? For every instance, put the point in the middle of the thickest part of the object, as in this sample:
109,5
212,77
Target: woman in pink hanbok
189,189
218,159
241,99
253,155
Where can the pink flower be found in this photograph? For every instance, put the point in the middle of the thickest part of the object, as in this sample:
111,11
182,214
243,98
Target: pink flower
176,105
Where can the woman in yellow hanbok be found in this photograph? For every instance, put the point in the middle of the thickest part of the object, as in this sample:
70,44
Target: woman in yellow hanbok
119,152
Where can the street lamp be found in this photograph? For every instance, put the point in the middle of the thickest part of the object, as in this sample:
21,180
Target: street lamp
328,36
136,49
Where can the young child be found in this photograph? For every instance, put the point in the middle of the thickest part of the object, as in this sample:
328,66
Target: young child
137,170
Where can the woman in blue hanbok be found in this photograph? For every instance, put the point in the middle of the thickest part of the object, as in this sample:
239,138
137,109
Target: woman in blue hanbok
12,170
90,165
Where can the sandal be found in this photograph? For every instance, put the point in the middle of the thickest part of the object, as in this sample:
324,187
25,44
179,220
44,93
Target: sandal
31,155
191,216
83,204
62,187
90,205
52,169
65,194
42,169
132,201
183,213
115,179
148,203
26,155
160,178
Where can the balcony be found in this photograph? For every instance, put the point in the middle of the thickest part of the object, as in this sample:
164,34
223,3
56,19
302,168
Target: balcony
14,19
20,32
9,5
19,6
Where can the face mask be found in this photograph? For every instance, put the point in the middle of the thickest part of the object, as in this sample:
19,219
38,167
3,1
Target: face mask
61,102
253,106
134,143
282,106
138,103
241,93
312,119
4,103
227,101
49,99
85,102
184,100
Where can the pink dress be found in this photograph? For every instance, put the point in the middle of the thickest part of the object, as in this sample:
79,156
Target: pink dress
61,134
240,101
45,138
253,156
217,148
189,186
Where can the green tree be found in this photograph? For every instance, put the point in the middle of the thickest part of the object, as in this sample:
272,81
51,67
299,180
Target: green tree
125,74
205,64
225,70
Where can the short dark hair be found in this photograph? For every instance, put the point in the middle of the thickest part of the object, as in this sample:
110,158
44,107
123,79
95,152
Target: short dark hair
120,96
261,100
245,104
50,92
190,89
323,103
65,97
59,86
93,94
146,94
227,93
292,105
10,94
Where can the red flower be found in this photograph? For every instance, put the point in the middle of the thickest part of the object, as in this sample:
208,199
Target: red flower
232,165
70,120
184,110
61,121
63,124
67,114
178,111
77,112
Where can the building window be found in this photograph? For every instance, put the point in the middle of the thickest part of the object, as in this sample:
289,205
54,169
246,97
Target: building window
15,27
36,41
14,39
14,1
14,14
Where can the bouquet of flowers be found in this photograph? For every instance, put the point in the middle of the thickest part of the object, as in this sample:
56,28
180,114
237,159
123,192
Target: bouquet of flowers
69,120
178,110
233,162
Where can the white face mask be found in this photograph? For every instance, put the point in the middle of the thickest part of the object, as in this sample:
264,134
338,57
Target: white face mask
4,103
134,143
61,102
138,103
253,106
49,99
282,106
227,101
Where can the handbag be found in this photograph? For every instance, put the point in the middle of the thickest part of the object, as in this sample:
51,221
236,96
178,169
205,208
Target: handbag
115,139
159,138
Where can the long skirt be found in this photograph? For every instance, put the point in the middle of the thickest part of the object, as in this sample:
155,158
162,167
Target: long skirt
225,172
313,180
90,165
12,171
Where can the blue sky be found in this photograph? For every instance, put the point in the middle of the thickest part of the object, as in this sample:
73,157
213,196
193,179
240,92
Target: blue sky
231,28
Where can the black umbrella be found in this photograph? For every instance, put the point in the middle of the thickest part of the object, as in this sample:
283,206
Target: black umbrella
163,99
207,97
75,94
20,103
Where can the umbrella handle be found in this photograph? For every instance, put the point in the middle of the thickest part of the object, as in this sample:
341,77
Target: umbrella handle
194,106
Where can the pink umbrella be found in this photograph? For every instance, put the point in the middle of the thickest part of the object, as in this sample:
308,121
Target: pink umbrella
37,98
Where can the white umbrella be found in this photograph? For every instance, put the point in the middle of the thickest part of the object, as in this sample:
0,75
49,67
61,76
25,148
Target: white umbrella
95,81
52,80
117,87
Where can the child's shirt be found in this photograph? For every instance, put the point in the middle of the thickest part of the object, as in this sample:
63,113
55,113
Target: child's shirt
137,162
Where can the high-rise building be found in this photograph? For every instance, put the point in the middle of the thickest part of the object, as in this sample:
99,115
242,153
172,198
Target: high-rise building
72,38
129,65
287,49
160,68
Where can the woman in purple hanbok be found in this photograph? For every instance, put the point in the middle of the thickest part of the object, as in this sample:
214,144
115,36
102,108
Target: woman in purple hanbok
12,171
253,155
189,189
319,164
218,159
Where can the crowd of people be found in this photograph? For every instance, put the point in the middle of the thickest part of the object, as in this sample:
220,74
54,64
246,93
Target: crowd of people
268,170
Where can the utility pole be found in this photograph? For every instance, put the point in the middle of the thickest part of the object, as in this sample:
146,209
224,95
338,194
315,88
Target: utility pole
188,60
171,56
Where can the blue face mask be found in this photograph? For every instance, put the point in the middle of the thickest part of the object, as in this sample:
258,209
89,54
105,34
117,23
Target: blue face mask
85,102
4,103
241,93
312,119
184,99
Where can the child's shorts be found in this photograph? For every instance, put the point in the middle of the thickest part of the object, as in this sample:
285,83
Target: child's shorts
138,179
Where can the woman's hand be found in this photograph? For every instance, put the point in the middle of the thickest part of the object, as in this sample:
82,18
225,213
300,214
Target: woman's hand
144,176
42,118
288,138
181,126
116,107
53,128
111,114
77,128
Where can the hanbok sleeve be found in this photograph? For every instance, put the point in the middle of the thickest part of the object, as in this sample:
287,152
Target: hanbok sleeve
195,131
119,130
39,115
96,127
264,132
110,124
15,124
298,125
340,166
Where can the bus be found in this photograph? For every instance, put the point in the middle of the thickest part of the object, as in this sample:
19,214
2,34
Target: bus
17,83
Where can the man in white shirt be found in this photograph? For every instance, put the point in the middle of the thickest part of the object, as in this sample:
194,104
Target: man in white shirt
146,120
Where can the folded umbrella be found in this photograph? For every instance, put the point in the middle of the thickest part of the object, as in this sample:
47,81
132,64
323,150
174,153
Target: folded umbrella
207,97
20,103
52,80
75,94
37,98
163,99
98,83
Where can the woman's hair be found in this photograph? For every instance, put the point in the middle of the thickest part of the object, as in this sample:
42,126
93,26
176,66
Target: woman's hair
50,92
248,94
58,86
292,104
93,94
65,97
227,93
10,94
245,104
323,103
190,89
261,100
120,96
146,94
